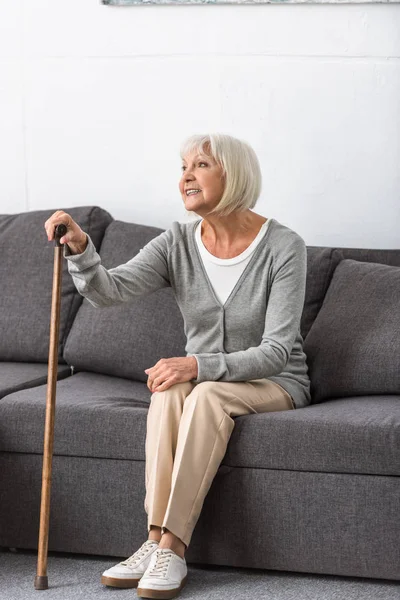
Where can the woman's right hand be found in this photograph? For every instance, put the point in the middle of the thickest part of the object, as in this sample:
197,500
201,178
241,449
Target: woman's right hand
75,237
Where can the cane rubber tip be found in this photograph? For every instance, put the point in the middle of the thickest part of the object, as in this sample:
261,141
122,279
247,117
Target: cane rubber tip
41,582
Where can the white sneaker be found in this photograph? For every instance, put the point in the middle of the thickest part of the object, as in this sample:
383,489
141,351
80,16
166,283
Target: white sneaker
164,577
127,573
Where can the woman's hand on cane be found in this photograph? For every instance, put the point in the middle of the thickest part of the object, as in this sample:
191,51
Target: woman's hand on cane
75,237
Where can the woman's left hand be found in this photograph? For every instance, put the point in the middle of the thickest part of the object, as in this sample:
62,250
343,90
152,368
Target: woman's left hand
168,371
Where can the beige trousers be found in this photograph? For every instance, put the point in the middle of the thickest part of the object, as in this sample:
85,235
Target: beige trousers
188,429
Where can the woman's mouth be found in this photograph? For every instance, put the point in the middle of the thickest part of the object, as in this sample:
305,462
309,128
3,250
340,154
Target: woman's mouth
193,192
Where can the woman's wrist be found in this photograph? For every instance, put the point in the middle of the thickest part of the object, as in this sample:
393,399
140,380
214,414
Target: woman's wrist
195,367
78,248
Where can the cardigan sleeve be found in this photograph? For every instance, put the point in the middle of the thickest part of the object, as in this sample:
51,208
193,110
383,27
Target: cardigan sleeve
282,324
144,273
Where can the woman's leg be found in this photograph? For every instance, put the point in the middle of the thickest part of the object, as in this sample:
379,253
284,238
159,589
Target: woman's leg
205,427
163,420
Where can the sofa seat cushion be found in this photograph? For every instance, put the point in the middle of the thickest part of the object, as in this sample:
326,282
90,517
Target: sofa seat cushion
125,339
105,417
353,346
96,415
345,435
26,276
15,376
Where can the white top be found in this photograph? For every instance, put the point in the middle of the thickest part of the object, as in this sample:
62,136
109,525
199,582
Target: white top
225,272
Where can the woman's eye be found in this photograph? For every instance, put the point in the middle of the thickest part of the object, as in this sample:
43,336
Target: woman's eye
200,163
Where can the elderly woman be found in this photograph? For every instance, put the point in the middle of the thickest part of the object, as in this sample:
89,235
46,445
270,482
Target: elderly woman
239,280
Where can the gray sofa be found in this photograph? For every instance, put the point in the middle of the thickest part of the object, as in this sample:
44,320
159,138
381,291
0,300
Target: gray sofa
312,490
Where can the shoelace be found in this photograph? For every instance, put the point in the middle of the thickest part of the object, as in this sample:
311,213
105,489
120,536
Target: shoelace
143,550
163,557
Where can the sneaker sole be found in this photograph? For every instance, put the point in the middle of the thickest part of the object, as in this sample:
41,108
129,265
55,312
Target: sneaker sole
160,594
119,583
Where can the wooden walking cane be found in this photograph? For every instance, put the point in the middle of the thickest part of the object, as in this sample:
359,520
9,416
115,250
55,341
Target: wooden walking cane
41,579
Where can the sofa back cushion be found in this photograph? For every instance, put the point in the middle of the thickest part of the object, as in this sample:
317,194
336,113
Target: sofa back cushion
125,339
374,255
353,346
321,263
26,276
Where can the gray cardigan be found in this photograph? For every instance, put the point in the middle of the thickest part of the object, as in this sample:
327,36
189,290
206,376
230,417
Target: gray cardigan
254,335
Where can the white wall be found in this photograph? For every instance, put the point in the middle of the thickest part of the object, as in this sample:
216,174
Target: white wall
95,101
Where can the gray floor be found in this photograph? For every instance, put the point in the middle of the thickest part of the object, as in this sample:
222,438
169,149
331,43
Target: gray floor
73,576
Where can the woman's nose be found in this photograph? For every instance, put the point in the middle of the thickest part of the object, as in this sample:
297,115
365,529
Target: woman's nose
187,177
188,173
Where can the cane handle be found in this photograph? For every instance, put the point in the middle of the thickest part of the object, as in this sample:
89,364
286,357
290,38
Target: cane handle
59,232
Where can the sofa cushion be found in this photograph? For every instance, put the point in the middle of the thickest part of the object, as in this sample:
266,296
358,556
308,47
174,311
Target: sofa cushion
26,275
321,264
373,255
100,416
353,346
125,339
96,416
344,435
15,376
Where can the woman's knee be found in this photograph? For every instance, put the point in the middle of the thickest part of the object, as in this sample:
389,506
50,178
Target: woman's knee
208,393
175,393
203,390
207,386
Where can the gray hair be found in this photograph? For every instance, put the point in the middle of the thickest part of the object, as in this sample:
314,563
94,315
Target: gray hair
240,166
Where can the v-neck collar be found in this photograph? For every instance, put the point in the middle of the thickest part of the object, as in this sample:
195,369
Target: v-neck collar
244,272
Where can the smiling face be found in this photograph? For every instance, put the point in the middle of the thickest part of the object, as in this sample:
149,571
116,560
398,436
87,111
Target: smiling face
202,173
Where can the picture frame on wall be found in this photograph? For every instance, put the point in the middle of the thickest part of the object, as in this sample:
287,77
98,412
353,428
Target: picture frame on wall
133,2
